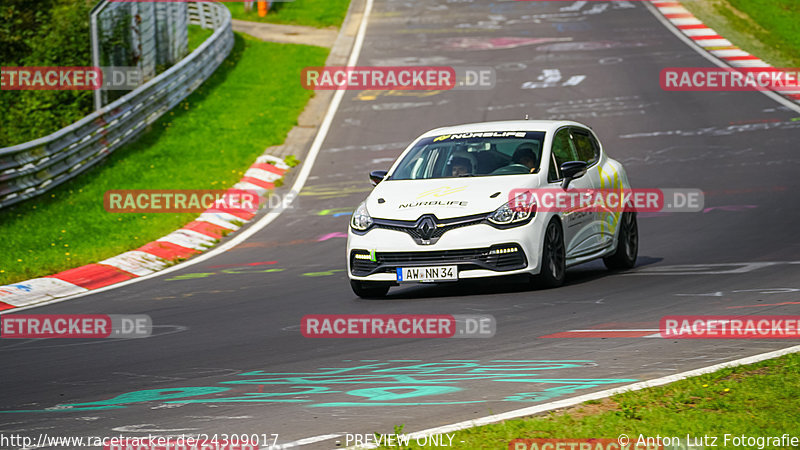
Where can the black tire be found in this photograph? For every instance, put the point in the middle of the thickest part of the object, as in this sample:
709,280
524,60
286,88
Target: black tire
624,257
369,289
554,258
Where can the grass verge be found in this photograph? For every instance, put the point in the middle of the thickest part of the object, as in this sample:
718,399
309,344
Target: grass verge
206,142
754,400
769,29
197,35
312,13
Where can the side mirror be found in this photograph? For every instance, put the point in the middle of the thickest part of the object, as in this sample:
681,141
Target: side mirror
376,176
571,170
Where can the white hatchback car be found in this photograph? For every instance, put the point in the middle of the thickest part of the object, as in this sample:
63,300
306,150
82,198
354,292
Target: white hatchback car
446,210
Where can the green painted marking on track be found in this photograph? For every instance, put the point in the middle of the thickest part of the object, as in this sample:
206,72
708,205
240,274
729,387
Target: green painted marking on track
322,274
190,276
393,383
250,270
239,270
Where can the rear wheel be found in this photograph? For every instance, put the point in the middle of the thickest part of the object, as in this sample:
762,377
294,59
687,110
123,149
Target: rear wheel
369,289
554,259
627,244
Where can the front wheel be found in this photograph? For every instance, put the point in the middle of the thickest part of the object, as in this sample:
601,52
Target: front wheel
554,259
627,244
369,289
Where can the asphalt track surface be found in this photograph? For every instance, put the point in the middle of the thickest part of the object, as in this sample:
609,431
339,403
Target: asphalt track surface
235,318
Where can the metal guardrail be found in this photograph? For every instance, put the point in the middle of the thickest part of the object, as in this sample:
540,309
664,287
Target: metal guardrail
35,167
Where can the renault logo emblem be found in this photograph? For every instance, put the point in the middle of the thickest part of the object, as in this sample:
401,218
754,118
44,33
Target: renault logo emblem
426,227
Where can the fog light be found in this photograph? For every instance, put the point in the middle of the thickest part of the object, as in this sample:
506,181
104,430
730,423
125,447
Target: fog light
500,251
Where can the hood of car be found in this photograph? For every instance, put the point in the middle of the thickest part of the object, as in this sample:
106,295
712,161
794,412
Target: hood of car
444,197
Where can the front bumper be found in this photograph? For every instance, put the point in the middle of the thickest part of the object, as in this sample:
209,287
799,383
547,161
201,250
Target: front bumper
478,250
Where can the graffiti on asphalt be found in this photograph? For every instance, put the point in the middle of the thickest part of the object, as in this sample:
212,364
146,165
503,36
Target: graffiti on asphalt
369,383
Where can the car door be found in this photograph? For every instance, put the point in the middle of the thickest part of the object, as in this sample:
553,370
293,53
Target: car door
600,178
605,179
576,223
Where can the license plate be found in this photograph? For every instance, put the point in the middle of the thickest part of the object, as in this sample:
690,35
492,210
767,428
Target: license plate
435,273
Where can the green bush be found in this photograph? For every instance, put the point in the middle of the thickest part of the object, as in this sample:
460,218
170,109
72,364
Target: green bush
43,33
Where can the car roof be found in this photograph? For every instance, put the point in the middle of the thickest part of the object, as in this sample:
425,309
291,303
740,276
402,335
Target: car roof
505,125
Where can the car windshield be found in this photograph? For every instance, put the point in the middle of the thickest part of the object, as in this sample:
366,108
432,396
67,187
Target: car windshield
472,154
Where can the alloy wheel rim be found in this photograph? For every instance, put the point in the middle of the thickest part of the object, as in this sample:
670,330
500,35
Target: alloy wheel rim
632,240
554,245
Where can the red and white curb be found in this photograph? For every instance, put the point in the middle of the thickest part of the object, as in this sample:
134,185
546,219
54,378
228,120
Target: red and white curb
194,238
710,41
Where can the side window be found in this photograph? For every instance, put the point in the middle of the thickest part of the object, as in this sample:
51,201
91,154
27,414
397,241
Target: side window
585,146
562,152
562,147
596,146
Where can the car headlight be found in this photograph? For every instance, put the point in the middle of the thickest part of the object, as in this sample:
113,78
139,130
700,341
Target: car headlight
361,219
515,212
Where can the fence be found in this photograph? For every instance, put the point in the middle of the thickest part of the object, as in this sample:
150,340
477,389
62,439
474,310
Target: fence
151,36
35,167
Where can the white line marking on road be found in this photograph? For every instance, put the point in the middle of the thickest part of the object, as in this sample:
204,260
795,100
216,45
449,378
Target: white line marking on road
531,410
704,269
712,294
149,428
306,441
612,331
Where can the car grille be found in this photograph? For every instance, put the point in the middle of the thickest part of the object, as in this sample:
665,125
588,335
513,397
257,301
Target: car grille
442,226
503,257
